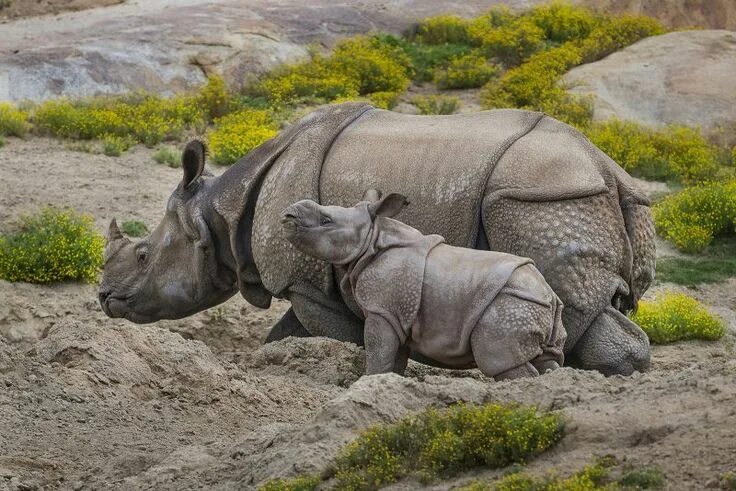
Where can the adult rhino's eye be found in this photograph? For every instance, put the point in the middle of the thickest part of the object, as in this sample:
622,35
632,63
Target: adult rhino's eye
325,220
142,256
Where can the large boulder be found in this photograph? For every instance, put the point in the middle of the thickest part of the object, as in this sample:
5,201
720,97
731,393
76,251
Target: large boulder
682,77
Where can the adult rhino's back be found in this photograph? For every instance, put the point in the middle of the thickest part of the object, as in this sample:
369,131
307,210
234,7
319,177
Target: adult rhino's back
446,165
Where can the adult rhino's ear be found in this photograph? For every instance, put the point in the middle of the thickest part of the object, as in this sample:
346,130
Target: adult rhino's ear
388,206
371,195
192,161
113,232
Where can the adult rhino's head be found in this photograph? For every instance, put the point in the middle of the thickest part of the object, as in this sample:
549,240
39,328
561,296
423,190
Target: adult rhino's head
174,271
335,234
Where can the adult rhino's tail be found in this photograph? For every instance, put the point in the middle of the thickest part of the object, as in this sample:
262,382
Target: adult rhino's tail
637,216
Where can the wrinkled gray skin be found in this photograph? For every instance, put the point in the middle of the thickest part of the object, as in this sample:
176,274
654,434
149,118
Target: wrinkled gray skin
511,181
493,310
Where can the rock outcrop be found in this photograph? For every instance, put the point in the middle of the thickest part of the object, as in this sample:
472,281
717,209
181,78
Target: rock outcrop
682,77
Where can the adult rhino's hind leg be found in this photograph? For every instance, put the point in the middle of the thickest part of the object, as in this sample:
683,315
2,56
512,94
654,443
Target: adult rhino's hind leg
581,247
613,345
289,325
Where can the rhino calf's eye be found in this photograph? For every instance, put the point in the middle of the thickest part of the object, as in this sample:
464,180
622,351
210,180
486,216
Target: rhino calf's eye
325,220
142,256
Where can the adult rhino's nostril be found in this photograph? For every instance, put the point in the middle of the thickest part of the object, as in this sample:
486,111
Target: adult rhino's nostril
104,295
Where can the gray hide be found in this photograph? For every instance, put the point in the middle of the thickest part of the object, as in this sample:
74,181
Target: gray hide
459,306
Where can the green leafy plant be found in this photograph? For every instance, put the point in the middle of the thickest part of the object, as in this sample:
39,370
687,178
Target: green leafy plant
674,317
358,66
13,121
114,146
443,443
134,228
595,477
167,156
692,218
2,141
238,133
301,483
465,72
444,29
672,153
436,104
643,478
54,245
729,481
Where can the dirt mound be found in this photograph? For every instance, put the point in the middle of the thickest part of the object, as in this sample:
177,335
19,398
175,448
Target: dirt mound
681,77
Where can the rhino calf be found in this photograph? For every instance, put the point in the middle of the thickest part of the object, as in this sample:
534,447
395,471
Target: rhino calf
461,307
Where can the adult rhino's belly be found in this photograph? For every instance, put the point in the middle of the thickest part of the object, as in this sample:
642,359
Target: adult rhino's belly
441,163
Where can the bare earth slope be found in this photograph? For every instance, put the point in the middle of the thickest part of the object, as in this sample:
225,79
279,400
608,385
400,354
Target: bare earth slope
89,402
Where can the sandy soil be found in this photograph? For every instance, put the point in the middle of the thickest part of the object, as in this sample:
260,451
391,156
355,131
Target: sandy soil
89,402
14,9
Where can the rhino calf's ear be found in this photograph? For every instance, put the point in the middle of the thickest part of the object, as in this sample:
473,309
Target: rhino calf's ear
388,206
192,161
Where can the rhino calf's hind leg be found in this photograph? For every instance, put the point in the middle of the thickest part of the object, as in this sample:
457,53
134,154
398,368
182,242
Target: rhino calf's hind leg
613,345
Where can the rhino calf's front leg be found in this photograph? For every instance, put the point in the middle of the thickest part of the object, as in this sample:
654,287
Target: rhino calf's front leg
382,346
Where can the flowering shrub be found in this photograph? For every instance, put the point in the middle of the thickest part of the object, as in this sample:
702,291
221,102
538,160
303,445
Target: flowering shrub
358,66
237,134
675,152
513,43
55,245
615,33
435,443
562,22
533,83
691,218
444,29
13,121
146,118
465,72
675,317
436,104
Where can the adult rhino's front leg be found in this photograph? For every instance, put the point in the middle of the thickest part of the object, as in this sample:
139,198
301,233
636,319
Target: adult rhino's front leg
313,313
288,325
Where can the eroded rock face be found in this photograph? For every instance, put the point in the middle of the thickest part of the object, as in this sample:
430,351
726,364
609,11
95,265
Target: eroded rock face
709,14
681,77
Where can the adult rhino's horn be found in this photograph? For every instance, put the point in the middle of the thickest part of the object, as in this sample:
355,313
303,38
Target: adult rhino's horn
113,232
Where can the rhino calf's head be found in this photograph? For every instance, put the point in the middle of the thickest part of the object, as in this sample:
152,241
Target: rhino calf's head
173,272
335,234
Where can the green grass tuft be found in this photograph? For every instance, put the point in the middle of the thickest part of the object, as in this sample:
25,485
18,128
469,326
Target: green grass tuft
54,245
436,104
301,483
645,478
167,156
134,228
715,264
674,317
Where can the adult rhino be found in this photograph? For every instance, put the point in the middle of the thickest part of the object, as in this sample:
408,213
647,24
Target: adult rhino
506,180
